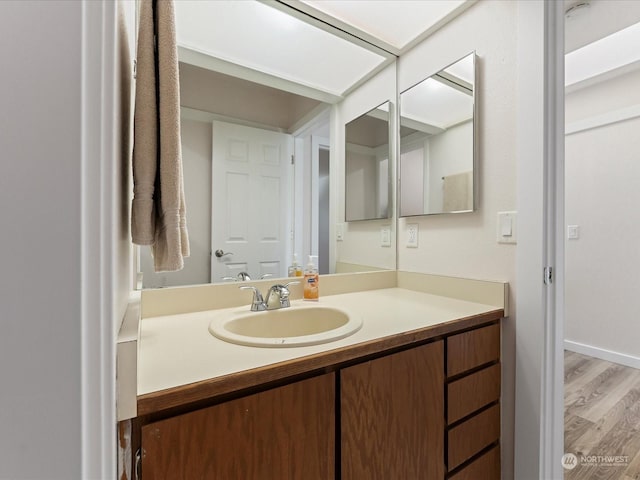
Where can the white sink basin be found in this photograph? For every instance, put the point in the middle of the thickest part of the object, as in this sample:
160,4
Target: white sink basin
295,326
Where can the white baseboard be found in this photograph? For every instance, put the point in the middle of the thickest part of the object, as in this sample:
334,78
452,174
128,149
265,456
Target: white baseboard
603,354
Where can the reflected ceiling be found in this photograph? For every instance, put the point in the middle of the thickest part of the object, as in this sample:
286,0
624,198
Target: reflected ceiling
322,49
397,23
436,104
263,38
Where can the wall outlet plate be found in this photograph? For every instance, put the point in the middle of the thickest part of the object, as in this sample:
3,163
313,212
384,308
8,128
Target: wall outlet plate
339,232
412,235
385,236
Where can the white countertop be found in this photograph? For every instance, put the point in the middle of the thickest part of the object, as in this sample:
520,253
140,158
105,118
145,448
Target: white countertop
176,350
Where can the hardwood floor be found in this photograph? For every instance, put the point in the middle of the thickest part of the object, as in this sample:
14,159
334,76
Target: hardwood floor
601,418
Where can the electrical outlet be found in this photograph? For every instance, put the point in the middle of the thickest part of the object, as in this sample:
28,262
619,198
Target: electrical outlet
412,235
385,236
340,232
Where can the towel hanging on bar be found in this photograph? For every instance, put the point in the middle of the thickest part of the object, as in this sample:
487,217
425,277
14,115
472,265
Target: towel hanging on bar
158,213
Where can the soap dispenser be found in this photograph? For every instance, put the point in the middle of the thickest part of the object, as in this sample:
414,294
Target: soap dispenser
311,280
294,270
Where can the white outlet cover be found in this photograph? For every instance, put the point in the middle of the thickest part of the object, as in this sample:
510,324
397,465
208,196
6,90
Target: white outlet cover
340,232
412,235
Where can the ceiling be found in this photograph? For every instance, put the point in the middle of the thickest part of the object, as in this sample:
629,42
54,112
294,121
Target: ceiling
602,40
324,49
598,20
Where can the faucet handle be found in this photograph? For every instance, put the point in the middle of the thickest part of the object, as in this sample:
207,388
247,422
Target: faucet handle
285,292
281,292
257,304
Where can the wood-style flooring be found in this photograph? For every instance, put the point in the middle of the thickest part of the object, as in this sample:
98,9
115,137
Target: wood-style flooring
601,417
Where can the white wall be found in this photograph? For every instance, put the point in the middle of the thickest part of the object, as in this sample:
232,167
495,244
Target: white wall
361,244
465,244
448,153
602,196
196,164
413,180
40,193
361,178
43,432
604,97
201,89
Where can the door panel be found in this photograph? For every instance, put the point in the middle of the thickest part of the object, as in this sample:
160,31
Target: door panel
286,433
251,215
392,416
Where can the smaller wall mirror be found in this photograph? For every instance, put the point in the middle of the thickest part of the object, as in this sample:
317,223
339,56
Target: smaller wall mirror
367,166
437,142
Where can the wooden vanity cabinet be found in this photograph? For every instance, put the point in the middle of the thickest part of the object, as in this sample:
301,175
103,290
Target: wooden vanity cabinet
391,413
417,411
286,433
473,408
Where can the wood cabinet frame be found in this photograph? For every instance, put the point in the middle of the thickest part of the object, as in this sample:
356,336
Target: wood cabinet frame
164,405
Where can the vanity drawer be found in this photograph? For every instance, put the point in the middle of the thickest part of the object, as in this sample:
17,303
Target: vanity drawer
472,349
470,437
470,393
486,467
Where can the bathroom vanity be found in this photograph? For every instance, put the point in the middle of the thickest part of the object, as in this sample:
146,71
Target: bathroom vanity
413,394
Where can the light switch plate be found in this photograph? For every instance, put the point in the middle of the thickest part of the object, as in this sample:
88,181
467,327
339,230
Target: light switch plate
573,232
339,232
506,227
412,235
385,236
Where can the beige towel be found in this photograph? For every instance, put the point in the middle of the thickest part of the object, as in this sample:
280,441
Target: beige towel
457,192
158,208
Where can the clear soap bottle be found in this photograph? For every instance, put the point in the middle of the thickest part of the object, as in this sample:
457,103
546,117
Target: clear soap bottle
294,270
311,280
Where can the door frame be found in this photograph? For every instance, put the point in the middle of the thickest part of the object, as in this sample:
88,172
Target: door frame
317,143
539,426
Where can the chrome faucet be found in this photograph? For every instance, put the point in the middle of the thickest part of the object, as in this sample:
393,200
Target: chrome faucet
280,294
278,297
257,304
244,277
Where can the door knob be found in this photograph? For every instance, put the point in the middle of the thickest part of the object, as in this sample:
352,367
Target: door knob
219,253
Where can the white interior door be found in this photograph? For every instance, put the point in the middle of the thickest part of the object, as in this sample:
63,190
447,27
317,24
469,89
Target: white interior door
250,212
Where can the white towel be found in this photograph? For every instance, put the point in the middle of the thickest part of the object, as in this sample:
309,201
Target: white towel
158,213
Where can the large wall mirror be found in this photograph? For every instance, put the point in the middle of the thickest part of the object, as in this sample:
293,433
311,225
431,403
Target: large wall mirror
367,166
437,160
257,86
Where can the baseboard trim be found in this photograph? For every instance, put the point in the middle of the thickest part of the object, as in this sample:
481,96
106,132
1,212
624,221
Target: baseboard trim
603,354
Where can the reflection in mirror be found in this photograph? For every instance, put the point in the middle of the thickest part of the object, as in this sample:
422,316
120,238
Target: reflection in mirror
257,84
437,142
367,165
249,208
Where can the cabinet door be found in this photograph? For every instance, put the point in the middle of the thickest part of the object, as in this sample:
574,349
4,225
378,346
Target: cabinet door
284,433
392,416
